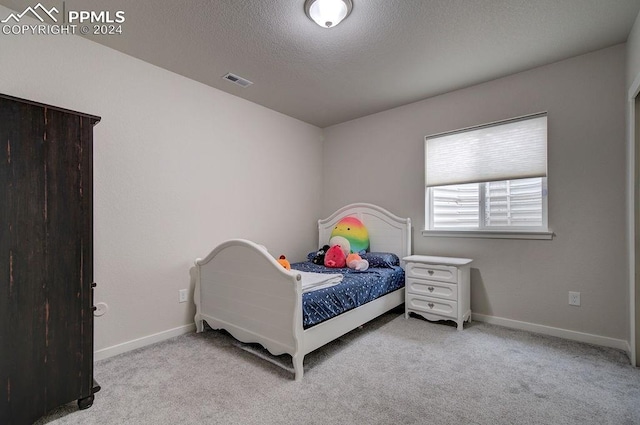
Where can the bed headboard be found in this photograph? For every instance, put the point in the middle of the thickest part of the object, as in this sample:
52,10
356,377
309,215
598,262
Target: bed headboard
387,231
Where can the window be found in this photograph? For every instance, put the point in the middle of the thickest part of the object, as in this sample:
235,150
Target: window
502,205
488,179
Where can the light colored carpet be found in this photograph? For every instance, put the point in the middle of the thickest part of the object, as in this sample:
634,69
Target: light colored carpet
391,371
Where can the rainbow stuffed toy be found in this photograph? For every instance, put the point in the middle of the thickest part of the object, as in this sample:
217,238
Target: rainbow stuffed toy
354,231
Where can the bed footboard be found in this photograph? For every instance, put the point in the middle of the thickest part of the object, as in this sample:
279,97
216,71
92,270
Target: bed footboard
241,288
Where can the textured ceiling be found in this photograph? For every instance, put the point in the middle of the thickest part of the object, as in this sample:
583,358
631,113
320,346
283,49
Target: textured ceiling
385,54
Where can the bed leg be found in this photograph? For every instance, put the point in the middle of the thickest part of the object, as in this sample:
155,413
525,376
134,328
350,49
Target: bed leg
298,367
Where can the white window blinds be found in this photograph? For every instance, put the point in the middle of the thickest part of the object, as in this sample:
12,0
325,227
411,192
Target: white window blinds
507,150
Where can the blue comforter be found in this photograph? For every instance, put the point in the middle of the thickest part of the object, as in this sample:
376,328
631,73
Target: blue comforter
357,288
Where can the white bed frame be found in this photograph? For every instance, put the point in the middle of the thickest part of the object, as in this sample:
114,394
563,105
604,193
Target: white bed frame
241,288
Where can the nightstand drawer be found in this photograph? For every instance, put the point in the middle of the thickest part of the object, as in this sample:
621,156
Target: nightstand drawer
432,288
436,306
433,272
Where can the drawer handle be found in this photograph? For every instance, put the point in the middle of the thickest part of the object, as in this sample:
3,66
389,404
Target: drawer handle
430,272
431,305
430,288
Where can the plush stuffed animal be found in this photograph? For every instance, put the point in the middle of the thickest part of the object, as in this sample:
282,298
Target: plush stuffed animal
354,261
284,262
319,258
335,257
354,231
344,244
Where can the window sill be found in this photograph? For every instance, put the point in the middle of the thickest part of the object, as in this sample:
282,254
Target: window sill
488,234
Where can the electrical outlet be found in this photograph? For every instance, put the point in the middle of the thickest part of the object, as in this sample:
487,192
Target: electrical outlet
182,296
101,309
574,298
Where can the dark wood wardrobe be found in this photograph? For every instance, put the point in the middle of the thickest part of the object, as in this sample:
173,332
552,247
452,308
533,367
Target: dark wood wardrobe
46,259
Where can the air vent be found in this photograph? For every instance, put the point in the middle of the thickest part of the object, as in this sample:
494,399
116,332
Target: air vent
242,82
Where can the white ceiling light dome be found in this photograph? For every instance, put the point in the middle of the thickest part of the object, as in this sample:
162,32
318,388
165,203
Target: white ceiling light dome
327,13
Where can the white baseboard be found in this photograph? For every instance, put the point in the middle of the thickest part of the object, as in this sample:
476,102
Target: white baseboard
604,341
141,342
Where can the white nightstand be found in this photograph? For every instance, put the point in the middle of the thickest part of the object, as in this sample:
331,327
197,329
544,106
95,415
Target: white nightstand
438,288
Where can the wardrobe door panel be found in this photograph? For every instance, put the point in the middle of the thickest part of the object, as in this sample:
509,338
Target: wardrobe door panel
46,259
24,278
67,287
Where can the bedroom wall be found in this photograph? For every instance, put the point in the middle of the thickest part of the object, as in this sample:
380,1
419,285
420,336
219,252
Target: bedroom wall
633,114
179,167
633,52
522,283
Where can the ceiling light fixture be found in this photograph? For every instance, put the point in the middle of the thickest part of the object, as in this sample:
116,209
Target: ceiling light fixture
327,13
